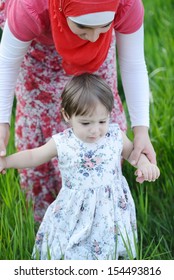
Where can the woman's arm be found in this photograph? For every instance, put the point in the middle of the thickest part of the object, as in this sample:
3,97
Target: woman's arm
136,87
30,158
134,75
12,52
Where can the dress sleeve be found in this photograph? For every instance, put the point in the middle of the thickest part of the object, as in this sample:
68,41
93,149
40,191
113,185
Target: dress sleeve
25,22
129,17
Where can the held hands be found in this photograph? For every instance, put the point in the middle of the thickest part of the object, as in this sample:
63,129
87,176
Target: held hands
2,165
142,144
147,172
143,156
4,137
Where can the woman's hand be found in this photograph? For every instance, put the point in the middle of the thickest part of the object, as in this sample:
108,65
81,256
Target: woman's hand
142,145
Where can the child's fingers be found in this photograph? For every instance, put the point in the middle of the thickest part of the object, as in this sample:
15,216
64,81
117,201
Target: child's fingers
156,173
148,172
138,173
153,173
140,179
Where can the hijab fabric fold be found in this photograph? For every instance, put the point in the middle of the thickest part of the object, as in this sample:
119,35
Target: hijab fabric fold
79,55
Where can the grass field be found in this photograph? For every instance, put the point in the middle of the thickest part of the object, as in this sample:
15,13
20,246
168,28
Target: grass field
154,201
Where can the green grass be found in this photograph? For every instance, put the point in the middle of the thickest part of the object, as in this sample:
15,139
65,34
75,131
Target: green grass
154,201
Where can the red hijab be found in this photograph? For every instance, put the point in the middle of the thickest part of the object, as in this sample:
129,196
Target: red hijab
79,55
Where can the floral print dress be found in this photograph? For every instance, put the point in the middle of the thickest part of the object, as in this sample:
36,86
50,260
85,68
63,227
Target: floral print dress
93,216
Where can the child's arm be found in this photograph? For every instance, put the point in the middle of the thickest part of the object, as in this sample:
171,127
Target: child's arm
29,158
146,171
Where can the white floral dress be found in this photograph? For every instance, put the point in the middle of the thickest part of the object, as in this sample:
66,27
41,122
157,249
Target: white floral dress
93,217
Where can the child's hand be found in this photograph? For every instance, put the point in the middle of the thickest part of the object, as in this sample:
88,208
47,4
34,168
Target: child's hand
147,172
2,165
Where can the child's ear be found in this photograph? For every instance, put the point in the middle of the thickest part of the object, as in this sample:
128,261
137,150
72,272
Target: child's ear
65,115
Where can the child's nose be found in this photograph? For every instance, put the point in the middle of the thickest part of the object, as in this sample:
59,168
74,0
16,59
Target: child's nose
94,130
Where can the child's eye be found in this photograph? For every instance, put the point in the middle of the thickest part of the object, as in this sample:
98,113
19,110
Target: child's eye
102,121
85,123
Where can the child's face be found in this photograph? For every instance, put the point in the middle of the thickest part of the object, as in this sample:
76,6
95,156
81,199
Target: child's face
90,128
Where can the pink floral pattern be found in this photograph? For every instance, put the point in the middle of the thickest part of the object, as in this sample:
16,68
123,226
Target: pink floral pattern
93,217
38,90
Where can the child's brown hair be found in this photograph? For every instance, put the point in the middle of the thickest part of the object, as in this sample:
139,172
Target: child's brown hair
80,95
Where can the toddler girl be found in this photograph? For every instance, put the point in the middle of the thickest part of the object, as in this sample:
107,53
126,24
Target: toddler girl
93,217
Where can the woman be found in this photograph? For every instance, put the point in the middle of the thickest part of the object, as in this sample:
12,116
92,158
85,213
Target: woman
51,41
